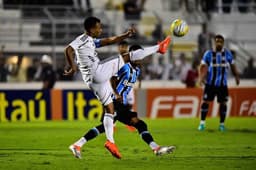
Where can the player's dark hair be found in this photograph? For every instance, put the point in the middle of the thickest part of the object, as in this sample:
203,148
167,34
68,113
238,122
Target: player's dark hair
90,22
219,36
123,43
135,47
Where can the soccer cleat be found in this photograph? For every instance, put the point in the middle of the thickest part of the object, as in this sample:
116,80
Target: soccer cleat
161,150
201,127
112,148
163,45
76,150
222,128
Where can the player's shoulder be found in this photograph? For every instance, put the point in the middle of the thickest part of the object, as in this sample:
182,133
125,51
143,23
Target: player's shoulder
208,52
227,51
126,66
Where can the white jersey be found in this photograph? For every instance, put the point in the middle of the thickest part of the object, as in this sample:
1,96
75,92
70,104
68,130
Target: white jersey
86,55
95,73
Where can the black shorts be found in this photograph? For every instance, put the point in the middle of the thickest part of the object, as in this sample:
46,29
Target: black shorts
211,91
123,113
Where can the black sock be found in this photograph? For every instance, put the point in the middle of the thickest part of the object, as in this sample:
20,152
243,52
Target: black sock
147,137
204,110
223,112
142,128
94,132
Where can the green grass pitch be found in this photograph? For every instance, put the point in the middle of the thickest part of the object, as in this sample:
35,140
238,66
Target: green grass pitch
44,146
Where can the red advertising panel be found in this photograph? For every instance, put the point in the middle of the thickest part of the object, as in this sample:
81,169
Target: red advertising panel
185,103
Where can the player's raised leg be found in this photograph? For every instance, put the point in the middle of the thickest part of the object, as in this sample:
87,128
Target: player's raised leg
140,54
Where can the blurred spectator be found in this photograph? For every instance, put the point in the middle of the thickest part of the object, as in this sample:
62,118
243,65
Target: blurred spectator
157,33
192,75
204,40
32,69
3,68
250,71
164,69
133,9
15,72
48,75
155,69
181,67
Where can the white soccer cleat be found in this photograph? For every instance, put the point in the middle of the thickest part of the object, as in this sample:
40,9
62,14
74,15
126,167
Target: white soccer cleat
164,150
76,150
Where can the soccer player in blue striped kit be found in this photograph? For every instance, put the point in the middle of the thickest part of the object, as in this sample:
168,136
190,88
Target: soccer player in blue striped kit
122,84
213,72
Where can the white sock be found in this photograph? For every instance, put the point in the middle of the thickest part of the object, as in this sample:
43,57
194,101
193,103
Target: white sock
153,145
109,126
222,124
80,142
202,122
142,53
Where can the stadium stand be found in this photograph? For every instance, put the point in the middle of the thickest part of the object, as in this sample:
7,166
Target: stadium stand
47,26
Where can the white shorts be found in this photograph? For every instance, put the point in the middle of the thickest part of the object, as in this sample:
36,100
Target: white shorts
103,91
107,68
100,84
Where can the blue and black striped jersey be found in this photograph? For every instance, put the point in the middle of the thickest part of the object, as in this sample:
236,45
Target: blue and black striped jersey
127,76
218,64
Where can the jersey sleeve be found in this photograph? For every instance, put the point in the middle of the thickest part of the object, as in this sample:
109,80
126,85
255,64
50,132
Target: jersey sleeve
75,43
206,58
97,43
229,56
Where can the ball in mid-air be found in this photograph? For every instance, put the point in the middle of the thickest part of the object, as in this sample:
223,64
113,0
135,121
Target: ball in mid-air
179,28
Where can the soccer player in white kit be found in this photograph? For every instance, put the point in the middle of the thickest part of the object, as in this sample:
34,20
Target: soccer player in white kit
96,74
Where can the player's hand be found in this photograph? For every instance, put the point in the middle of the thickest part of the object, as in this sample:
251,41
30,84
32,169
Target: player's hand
201,82
237,80
118,98
70,71
131,31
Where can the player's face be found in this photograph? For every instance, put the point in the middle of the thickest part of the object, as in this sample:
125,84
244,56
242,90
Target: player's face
96,30
219,43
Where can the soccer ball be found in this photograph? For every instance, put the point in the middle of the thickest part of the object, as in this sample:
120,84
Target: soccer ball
179,28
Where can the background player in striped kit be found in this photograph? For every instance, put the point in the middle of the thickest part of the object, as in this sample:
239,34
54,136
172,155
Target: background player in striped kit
213,72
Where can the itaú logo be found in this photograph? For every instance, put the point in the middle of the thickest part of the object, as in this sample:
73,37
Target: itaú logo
175,106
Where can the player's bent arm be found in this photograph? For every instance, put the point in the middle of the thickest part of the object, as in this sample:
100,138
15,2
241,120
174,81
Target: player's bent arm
70,55
113,82
202,73
116,39
235,73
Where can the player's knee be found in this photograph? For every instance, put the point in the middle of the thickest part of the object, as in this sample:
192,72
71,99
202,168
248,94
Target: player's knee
134,120
141,126
205,106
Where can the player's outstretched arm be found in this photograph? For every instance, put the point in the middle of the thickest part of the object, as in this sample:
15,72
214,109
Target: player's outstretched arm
70,55
116,39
